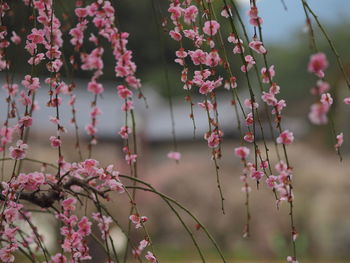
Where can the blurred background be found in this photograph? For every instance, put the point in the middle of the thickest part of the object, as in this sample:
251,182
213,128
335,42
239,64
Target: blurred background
322,184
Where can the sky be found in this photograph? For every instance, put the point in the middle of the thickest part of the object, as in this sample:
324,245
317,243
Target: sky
279,24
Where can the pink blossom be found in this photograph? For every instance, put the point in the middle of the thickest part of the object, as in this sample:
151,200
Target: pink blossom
258,47
124,92
249,137
213,140
226,12
249,119
81,12
211,27
31,83
206,87
347,100
124,132
271,181
253,12
11,89
37,36
150,257
175,35
198,56
55,142
269,98
326,99
84,226
268,75
257,175
207,105
242,152
128,105
318,113
320,88
138,220
25,121
16,39
31,181
94,87
286,137
190,14
249,63
317,64
58,258
174,156
19,151
69,204
250,104
256,21
340,141
212,59
130,158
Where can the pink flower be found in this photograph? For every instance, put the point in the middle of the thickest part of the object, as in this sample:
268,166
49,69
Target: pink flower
250,104
226,12
37,36
249,137
124,92
81,12
340,141
69,204
130,158
211,27
198,56
253,12
124,132
327,99
249,63
59,258
347,100
55,142
206,87
213,140
11,89
207,105
212,59
19,151
257,175
258,47
175,35
25,121
138,220
84,226
271,181
31,181
242,152
269,98
16,39
249,119
129,105
268,75
320,88
190,14
150,257
94,87
318,113
31,83
286,137
174,155
317,64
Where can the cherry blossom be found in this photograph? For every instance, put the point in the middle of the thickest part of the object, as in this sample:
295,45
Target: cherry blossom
286,137
317,64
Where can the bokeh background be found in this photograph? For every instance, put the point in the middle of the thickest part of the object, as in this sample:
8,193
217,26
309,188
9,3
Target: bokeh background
322,183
